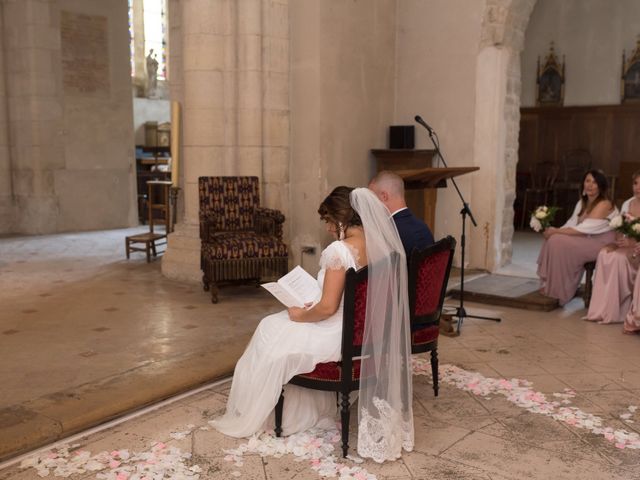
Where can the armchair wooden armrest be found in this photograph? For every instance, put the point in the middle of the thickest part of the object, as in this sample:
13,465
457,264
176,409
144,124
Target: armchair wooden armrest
268,221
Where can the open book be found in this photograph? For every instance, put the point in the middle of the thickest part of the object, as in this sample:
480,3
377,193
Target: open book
295,289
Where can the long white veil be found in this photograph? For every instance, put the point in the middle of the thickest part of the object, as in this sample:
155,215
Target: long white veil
385,413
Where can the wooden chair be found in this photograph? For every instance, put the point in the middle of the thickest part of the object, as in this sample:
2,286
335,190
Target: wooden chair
342,377
428,276
566,190
240,241
157,202
543,177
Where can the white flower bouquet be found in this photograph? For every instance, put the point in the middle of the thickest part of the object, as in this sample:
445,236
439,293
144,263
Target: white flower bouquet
542,217
627,225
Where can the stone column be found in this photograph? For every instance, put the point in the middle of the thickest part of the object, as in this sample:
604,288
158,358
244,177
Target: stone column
229,69
497,126
34,111
7,205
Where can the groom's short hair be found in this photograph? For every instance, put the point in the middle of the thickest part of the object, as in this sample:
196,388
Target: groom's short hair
389,181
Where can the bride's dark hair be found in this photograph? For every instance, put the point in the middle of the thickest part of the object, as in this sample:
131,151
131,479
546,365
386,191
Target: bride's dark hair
336,208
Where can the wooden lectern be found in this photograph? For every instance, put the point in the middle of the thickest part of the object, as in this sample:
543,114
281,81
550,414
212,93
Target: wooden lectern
420,179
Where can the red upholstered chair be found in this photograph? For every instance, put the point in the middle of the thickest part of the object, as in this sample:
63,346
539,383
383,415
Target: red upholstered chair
428,276
344,376
240,240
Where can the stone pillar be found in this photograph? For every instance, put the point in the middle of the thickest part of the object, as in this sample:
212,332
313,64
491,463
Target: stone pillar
229,69
497,126
32,45
7,205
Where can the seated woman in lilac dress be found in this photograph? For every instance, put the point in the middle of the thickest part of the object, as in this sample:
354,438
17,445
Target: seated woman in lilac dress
567,249
616,271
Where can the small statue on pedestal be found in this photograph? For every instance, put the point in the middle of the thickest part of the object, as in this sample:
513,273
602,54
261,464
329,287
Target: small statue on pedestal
152,74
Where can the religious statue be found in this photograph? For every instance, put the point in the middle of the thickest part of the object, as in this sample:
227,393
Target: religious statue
152,73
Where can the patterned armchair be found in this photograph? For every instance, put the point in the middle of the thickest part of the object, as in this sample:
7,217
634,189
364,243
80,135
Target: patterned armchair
240,240
428,276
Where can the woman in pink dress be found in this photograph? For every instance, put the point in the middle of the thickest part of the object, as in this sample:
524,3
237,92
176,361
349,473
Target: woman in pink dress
616,271
632,319
567,249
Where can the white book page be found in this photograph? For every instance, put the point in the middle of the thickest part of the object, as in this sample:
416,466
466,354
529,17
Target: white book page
295,288
286,298
302,285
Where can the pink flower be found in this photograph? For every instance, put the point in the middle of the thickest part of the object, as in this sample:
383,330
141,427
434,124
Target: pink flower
114,464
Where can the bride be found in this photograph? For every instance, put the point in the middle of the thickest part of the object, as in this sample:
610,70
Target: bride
293,341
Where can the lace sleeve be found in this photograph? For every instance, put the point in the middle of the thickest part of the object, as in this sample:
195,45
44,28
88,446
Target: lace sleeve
334,257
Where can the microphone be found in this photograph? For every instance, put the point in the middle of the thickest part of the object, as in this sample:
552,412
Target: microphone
419,119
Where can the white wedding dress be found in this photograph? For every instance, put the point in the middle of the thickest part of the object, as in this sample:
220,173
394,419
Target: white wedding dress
279,349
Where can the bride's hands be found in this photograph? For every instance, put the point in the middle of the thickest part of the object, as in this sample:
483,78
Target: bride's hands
296,314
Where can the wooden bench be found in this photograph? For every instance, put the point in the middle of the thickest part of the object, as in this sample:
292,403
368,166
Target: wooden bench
589,267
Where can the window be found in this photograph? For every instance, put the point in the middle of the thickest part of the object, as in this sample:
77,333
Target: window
147,32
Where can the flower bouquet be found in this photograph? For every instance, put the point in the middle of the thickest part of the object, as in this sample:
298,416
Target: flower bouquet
627,225
542,217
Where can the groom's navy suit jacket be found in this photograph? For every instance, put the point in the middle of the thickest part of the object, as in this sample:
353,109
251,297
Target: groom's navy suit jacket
414,233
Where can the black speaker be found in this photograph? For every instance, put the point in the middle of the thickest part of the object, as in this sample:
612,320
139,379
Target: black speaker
401,136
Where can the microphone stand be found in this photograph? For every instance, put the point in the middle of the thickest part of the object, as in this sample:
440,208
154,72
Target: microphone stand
461,313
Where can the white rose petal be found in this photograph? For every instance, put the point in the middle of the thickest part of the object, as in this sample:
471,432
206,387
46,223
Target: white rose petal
541,215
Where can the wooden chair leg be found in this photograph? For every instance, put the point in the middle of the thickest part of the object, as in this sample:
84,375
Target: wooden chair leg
153,248
126,246
344,417
588,286
434,370
278,412
524,210
147,249
214,292
205,283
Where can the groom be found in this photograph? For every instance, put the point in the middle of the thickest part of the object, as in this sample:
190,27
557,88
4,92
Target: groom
414,233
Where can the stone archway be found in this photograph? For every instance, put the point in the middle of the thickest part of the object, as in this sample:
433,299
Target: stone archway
498,88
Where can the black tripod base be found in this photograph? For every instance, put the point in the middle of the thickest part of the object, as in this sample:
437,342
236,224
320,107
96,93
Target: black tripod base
461,314
493,319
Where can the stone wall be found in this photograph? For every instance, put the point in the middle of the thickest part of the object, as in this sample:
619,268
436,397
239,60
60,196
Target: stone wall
148,110
69,115
591,34
437,48
342,82
467,88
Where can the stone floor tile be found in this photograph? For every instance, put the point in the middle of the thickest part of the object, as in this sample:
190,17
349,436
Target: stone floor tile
516,368
285,469
434,436
589,381
424,466
547,383
217,468
627,379
525,461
